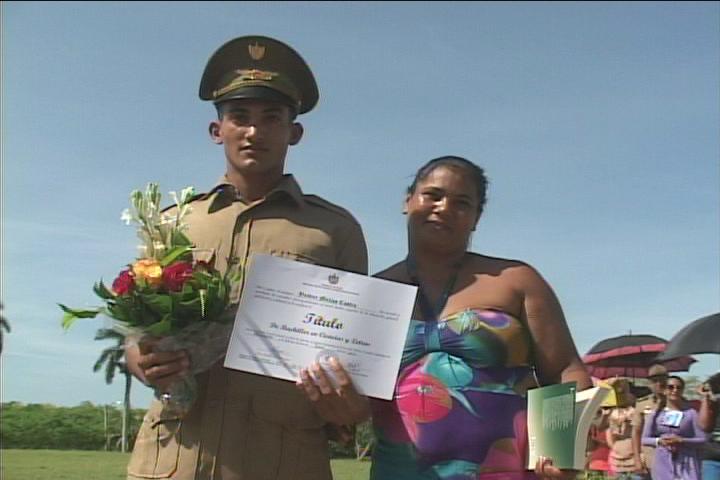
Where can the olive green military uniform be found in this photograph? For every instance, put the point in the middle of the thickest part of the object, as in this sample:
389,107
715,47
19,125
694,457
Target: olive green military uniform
244,426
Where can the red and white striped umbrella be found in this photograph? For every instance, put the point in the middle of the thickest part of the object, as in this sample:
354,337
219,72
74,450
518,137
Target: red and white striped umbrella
631,356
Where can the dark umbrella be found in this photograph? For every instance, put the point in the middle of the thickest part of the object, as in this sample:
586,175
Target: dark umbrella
699,336
631,356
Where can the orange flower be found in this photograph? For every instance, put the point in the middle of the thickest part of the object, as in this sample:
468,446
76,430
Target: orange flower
148,269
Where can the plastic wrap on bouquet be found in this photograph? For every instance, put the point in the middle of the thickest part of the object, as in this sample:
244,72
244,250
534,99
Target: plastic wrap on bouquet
206,343
169,298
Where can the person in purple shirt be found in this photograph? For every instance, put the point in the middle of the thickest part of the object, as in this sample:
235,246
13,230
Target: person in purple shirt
673,430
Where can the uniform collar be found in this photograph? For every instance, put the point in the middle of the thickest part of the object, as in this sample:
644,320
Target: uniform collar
225,193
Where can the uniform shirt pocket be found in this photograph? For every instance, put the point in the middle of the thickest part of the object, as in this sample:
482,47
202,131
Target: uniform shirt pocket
288,426
157,447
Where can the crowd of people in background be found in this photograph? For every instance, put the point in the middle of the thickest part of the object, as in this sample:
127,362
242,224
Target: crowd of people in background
659,436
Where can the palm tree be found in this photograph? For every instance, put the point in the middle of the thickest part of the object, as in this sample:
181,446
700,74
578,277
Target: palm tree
4,325
113,358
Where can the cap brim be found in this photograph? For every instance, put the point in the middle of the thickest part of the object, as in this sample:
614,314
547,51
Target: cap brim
257,92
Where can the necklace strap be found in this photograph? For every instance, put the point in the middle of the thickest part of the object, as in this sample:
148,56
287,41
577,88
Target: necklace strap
431,312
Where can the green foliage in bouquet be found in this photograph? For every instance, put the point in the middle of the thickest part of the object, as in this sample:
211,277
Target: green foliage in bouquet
164,290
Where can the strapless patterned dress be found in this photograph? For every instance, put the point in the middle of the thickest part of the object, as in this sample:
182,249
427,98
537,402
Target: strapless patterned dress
459,407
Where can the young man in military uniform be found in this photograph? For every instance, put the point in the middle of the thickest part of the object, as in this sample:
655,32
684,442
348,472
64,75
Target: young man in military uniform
244,426
657,378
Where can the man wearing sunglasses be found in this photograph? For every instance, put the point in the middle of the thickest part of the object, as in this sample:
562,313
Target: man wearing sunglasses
657,380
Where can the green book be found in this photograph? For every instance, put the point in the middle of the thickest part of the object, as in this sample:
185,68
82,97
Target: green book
558,422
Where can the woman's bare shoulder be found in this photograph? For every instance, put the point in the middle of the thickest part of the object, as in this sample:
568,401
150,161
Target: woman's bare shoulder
497,265
518,274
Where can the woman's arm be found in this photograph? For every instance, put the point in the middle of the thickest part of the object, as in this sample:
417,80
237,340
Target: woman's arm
609,437
554,350
708,409
648,438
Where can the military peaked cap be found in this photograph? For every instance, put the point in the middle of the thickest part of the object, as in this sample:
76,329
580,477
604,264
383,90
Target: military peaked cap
657,370
259,67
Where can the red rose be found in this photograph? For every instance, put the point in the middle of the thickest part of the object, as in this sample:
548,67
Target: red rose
123,283
175,275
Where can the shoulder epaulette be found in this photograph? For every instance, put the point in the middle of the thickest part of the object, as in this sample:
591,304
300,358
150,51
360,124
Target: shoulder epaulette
197,196
201,196
314,199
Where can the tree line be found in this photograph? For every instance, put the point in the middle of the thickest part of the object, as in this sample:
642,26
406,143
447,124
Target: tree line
98,427
83,427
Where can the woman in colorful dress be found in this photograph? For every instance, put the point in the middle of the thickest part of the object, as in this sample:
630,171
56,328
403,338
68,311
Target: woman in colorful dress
484,331
678,439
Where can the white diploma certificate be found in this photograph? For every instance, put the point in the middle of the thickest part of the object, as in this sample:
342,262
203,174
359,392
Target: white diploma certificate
294,313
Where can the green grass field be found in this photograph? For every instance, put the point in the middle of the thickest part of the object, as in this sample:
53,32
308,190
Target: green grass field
93,465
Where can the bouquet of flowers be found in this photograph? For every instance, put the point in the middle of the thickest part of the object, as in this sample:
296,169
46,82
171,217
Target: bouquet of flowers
165,295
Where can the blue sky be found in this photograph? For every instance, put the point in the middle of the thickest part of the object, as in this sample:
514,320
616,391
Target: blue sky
597,124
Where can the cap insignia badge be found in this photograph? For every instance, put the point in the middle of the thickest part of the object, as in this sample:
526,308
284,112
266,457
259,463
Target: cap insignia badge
257,52
244,77
250,75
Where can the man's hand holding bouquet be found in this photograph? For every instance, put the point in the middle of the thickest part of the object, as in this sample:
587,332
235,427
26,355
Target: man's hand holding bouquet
165,300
